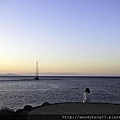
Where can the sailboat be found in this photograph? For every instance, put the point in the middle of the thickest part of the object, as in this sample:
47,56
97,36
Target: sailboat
37,72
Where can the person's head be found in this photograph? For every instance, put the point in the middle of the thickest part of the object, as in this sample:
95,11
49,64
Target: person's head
87,90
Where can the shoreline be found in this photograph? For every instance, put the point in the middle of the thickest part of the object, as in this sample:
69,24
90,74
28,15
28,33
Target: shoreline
57,109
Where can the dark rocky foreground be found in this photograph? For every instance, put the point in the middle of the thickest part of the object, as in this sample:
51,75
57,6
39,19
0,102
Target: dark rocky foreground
61,111
20,114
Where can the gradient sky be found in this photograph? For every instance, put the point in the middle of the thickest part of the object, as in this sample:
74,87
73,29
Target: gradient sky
79,37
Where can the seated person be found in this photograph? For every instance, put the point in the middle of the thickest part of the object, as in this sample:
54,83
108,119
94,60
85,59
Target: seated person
87,96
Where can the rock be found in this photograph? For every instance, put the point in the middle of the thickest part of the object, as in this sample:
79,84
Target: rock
22,113
45,104
7,109
7,114
19,112
28,108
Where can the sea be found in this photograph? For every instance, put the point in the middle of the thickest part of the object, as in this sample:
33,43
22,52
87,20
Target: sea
18,91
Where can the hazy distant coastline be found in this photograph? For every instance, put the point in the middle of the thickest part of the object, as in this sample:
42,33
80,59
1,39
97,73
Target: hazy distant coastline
9,74
61,75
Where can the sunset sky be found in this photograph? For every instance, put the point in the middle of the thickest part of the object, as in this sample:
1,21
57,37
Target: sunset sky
75,37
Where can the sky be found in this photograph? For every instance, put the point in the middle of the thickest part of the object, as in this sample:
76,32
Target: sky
66,37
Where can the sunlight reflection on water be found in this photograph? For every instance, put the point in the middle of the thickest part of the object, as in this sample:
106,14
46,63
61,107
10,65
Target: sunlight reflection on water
16,94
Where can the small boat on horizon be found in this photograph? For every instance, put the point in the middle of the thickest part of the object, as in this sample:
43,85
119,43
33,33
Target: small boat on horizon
37,72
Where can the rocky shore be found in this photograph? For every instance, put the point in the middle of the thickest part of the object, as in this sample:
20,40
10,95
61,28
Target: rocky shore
61,110
20,114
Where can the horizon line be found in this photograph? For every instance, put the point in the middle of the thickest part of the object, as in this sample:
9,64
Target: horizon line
60,74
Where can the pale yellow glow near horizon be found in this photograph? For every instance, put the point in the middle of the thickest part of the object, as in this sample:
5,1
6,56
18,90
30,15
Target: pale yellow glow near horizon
83,67
18,60
18,63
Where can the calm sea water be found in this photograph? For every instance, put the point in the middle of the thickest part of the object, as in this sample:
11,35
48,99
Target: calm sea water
16,92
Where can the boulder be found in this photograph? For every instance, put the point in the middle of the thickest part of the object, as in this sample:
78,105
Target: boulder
28,108
45,104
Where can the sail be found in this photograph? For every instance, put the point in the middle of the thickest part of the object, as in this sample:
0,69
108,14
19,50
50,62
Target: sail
37,71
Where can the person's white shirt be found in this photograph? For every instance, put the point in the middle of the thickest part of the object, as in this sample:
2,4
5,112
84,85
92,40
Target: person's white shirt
86,97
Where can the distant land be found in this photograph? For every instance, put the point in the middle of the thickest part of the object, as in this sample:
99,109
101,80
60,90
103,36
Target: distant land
65,75
9,74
